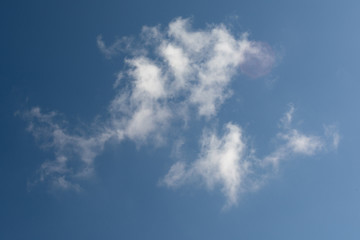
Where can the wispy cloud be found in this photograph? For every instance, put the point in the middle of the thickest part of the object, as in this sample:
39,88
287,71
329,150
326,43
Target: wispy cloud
222,162
174,74
293,141
229,162
73,154
120,45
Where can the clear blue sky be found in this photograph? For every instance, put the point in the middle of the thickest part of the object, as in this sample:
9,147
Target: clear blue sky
219,120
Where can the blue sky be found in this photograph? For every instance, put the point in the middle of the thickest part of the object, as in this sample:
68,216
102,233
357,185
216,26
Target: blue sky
179,120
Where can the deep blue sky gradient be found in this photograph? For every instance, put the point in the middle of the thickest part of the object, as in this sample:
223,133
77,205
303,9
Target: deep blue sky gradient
49,58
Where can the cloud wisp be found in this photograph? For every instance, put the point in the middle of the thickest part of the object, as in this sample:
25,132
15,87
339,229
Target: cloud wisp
175,74
230,163
73,154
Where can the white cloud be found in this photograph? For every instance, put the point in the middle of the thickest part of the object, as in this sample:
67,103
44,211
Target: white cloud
172,75
195,64
230,163
209,59
300,143
190,70
178,62
221,162
293,141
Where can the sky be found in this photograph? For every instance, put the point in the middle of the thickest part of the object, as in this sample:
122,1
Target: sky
179,120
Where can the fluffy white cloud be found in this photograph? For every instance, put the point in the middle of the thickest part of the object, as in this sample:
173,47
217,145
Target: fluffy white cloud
230,163
179,70
175,74
222,161
170,73
193,65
